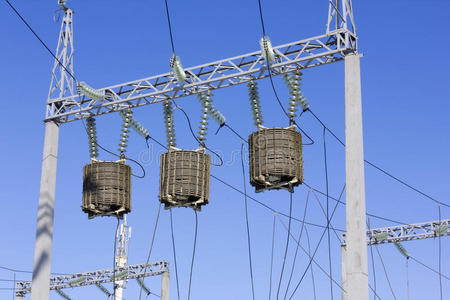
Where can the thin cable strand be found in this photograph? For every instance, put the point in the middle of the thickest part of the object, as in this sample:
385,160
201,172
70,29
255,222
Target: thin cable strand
193,254
287,242
385,272
328,226
312,272
380,169
246,221
174,253
201,143
40,40
317,247
271,255
298,245
170,27
117,155
151,246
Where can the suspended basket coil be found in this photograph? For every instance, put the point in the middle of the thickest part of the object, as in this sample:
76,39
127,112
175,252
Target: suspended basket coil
106,188
184,178
275,158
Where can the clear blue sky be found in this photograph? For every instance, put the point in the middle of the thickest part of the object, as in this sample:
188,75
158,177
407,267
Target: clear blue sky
405,92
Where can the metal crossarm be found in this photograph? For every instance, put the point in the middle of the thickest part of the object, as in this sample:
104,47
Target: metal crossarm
308,53
98,277
408,232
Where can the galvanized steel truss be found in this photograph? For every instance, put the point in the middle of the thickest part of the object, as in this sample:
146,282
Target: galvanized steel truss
98,277
312,52
407,232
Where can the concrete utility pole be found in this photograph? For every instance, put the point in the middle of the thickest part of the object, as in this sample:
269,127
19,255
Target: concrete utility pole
61,85
123,238
165,286
355,255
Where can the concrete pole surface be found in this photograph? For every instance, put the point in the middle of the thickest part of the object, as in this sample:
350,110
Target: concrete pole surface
344,272
44,229
165,286
356,244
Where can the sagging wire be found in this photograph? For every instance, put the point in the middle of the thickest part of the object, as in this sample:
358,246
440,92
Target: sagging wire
168,123
266,50
151,246
246,221
312,271
311,256
287,241
255,103
196,138
327,214
117,155
381,169
40,40
271,255
298,245
174,253
317,247
92,137
385,272
193,254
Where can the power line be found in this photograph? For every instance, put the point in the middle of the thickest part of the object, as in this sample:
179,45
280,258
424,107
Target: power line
271,256
385,272
151,247
381,169
328,223
317,247
287,241
193,254
246,222
174,253
298,245
40,40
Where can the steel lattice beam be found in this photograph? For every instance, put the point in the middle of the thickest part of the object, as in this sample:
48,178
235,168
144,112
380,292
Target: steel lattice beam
312,52
407,232
97,277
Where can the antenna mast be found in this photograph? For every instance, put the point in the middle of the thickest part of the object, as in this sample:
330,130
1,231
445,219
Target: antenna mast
123,238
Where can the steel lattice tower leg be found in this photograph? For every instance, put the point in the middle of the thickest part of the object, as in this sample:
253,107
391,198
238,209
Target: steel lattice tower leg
355,254
62,84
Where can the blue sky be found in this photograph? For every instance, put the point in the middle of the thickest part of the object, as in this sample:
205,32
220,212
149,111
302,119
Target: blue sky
405,116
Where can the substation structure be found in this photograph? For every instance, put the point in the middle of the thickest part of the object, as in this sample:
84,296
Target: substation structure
394,234
339,42
100,277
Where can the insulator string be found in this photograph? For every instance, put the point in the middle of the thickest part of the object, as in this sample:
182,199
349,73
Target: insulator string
255,103
126,117
168,122
92,137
